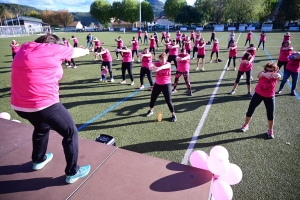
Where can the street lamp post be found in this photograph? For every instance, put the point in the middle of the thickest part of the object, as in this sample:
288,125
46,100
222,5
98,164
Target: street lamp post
140,15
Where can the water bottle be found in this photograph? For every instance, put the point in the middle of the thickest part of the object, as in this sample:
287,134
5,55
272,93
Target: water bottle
159,116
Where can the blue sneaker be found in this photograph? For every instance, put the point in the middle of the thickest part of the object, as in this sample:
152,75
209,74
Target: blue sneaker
38,166
82,172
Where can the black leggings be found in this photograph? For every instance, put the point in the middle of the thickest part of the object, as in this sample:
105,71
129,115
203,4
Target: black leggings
109,66
248,77
136,52
192,39
156,43
152,49
172,58
212,53
248,41
178,42
195,49
186,77
269,104
263,44
167,92
127,66
71,61
280,63
55,117
145,71
229,60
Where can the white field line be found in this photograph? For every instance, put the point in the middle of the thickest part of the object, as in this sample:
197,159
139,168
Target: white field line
189,150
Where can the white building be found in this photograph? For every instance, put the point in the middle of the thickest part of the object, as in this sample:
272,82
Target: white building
74,26
28,24
163,21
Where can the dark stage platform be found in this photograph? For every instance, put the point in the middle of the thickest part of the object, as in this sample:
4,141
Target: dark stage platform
115,173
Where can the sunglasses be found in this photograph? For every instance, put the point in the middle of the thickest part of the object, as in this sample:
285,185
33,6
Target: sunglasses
269,70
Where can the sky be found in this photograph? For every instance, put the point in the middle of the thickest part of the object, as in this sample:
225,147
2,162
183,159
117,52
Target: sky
71,5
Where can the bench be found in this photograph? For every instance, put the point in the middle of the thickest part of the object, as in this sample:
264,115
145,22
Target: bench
231,28
294,28
199,29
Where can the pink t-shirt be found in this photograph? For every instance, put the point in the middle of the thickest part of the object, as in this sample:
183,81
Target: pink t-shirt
139,33
173,51
168,35
135,44
263,37
127,56
106,57
147,60
245,65
183,65
146,35
198,35
75,40
249,36
215,47
163,76
97,43
167,44
233,51
152,42
14,48
192,34
119,43
284,53
163,34
196,43
286,38
36,71
252,51
201,50
293,65
187,45
104,72
266,87
178,36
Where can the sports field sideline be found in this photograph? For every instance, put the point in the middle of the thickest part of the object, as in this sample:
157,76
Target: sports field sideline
270,167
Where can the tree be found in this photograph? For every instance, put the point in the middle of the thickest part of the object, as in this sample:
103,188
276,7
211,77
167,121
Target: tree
290,9
1,10
64,17
117,10
147,12
172,8
33,13
49,17
206,9
131,10
188,15
100,10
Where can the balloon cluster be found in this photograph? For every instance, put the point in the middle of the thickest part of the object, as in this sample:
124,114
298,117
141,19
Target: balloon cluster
5,115
225,173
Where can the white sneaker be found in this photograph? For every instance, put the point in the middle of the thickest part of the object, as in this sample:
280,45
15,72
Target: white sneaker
139,60
123,82
132,83
112,80
197,68
234,69
251,78
210,61
142,87
117,58
100,79
132,59
193,58
202,69
75,67
245,128
227,68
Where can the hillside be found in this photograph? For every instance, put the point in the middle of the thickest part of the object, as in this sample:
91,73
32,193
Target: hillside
158,7
18,9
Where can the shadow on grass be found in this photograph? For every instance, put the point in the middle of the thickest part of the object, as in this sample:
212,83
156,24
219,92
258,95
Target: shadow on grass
181,144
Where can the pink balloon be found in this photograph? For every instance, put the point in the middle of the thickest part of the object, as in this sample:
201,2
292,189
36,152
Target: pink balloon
199,159
221,150
233,176
218,164
5,115
221,190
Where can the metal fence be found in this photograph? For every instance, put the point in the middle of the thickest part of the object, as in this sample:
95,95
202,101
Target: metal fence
14,31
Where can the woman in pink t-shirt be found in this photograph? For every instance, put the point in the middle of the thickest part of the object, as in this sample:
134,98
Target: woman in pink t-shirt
75,40
35,76
263,37
163,36
198,35
286,37
162,85
187,44
285,51
201,53
119,46
264,91
195,48
68,62
106,61
215,49
145,37
135,48
97,46
183,61
152,45
292,69
173,52
248,39
178,38
232,55
14,48
146,57
126,64
245,67
167,44
192,36
140,32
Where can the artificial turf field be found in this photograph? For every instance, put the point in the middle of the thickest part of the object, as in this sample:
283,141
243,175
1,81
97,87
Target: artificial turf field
270,167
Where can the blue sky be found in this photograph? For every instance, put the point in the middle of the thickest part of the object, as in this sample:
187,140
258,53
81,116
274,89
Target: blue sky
71,5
